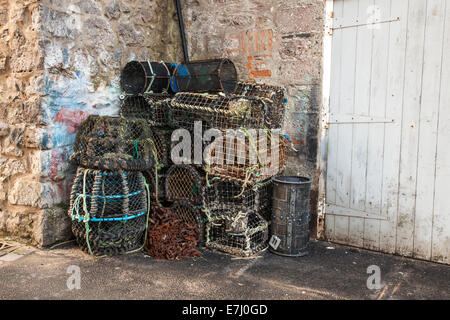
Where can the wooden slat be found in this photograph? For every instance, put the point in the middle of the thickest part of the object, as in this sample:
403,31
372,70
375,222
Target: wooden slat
363,74
346,106
440,249
332,131
410,126
434,31
392,140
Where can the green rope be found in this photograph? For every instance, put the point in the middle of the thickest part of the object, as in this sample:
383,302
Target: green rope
136,148
147,218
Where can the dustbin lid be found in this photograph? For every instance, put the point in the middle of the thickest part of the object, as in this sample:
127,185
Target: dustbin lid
292,179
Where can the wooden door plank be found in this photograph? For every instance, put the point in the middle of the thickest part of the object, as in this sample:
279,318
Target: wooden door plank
434,31
410,126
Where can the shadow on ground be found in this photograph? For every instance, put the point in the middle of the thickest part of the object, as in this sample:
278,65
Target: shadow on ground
330,271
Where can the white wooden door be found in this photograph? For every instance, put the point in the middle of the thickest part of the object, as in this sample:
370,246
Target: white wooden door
386,141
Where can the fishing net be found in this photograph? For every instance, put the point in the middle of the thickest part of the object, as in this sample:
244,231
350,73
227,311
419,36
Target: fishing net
162,139
226,197
156,183
170,237
242,234
216,111
275,96
146,77
247,156
114,143
151,107
191,214
206,76
109,210
184,182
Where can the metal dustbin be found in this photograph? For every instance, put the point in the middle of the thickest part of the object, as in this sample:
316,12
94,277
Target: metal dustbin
290,216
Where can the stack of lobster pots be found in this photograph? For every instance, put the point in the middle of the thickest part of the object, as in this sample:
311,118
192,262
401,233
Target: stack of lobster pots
109,203
217,145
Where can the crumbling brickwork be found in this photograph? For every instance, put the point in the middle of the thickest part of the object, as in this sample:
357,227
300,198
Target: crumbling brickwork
60,61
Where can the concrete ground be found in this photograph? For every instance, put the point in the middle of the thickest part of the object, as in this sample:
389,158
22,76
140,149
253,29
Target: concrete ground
330,271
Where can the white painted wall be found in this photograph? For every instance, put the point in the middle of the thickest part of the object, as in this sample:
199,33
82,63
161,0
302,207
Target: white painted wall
386,142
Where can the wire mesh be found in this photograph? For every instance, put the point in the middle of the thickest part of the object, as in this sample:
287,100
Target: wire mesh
246,156
206,76
226,197
156,183
192,214
146,77
275,96
151,107
184,182
216,111
114,143
108,210
244,234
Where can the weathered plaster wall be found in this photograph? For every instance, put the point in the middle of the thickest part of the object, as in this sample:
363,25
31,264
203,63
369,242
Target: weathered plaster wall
69,68
276,42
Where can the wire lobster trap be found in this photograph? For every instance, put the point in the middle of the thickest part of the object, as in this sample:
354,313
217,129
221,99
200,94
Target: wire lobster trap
114,143
246,156
151,107
216,111
156,180
109,210
275,97
184,182
191,214
228,197
146,77
162,139
206,76
243,234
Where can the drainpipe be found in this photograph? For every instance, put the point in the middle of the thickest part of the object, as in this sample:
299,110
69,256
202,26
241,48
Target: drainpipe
183,37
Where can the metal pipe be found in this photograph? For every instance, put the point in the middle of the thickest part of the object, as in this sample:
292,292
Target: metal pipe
183,36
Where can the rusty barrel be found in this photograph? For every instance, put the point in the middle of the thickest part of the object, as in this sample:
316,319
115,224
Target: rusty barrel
290,216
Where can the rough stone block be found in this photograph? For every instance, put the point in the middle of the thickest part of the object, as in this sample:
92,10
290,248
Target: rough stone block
29,191
51,226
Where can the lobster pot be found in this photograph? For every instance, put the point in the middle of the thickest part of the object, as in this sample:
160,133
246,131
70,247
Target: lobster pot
274,96
162,139
206,76
191,214
156,181
108,210
146,77
151,107
249,156
226,197
243,234
290,216
113,143
184,182
216,111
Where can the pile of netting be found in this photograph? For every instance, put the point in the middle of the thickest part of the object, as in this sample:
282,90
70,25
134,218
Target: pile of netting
109,211
114,143
170,237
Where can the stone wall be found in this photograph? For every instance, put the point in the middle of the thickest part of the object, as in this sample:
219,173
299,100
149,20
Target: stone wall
60,61
276,42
